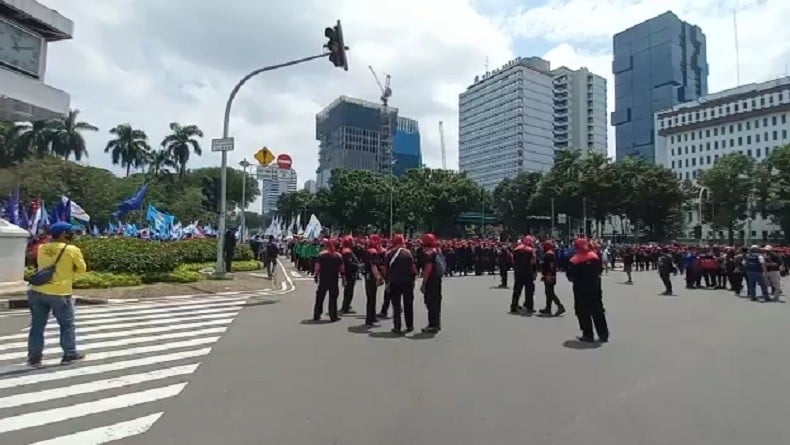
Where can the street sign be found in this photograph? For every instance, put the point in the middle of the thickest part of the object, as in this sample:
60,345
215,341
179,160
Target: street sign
223,144
562,218
264,156
284,161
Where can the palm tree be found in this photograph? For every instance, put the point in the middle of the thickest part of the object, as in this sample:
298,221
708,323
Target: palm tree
130,147
67,138
12,152
181,142
37,137
159,163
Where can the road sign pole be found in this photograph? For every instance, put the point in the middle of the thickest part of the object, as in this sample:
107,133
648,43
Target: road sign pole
219,268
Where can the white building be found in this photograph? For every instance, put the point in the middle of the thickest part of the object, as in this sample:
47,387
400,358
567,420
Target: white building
506,122
311,185
275,181
579,110
26,29
751,119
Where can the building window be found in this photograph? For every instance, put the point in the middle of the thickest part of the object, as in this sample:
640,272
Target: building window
748,125
715,145
707,133
707,159
686,149
756,138
736,108
784,118
739,126
749,152
707,146
715,158
716,131
687,162
767,151
692,135
784,134
776,135
757,123
740,141
758,152
673,152
749,139
732,129
693,148
773,120
672,139
673,164
694,162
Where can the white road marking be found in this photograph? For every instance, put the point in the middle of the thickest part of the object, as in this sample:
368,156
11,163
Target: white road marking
39,418
35,378
231,309
161,309
141,350
95,386
109,433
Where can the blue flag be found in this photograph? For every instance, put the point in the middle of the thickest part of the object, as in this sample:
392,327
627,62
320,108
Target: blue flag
12,208
135,202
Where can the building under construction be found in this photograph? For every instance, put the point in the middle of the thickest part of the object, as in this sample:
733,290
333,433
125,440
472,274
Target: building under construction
349,132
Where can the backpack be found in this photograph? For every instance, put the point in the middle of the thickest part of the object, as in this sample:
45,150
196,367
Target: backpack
44,276
441,264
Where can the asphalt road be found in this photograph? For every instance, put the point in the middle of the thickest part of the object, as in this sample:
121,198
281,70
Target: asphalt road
703,367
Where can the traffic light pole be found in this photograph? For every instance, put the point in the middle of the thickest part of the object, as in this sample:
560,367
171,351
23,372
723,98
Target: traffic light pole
219,269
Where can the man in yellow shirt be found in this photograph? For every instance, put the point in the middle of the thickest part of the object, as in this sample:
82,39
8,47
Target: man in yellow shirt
55,296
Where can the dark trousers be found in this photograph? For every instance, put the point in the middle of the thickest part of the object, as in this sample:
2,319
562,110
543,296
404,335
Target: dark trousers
503,275
348,293
433,302
527,284
590,312
402,297
385,305
667,282
228,260
323,288
551,296
370,303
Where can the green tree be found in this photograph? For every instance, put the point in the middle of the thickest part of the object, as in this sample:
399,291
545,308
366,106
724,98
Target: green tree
296,203
357,200
730,183
514,199
181,142
436,197
774,188
36,137
67,137
160,163
129,148
234,178
12,151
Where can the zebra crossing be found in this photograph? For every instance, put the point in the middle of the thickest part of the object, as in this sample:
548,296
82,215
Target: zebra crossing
137,355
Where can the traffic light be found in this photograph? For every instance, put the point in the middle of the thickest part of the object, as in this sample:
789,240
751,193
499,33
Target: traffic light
337,48
698,231
211,194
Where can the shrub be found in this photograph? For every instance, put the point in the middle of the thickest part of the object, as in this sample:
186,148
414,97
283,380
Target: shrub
177,276
132,255
105,280
246,266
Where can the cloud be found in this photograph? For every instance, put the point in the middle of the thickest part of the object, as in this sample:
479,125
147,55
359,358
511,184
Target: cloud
582,30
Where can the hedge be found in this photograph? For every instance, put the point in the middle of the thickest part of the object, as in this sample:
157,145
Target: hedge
136,256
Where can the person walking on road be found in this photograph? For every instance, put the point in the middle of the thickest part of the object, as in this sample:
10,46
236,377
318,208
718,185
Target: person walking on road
434,268
524,267
374,277
272,251
351,267
584,271
401,271
63,260
548,272
328,269
666,266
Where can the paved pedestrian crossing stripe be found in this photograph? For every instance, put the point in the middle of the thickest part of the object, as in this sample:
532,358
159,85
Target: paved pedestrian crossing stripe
137,354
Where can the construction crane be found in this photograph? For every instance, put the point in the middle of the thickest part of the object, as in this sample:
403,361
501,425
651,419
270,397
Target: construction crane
386,158
444,149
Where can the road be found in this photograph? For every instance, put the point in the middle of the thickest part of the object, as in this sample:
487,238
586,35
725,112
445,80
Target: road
702,367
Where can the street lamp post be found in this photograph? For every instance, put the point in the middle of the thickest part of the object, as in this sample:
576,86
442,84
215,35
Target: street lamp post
244,164
219,268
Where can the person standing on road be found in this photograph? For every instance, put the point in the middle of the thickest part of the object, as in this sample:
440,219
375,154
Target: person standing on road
584,271
773,264
434,267
351,267
374,277
665,268
271,252
230,248
524,276
401,271
548,272
328,269
628,264
55,295
754,263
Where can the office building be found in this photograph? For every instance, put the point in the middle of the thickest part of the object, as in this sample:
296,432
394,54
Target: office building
350,136
311,186
579,110
26,30
275,181
750,119
506,122
657,64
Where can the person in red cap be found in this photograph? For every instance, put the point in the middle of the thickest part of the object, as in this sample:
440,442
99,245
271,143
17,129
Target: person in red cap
548,272
374,277
524,275
401,271
584,271
434,267
351,268
328,269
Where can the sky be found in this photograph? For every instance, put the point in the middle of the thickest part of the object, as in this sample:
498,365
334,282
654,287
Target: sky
152,62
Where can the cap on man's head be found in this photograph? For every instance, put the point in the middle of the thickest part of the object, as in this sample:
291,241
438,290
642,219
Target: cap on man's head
60,227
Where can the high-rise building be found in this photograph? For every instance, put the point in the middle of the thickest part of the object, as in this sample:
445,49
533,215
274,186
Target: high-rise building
579,110
751,119
657,64
349,132
311,186
506,122
275,181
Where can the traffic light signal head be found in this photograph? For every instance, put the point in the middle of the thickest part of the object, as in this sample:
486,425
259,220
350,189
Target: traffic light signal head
336,46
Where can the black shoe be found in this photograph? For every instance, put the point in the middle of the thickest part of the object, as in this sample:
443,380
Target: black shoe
513,311
350,311
430,330
545,311
396,331
603,339
334,319
560,311
586,339
34,363
69,359
382,315
408,330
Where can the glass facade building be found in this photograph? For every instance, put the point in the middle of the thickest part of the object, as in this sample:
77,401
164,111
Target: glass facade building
349,134
657,64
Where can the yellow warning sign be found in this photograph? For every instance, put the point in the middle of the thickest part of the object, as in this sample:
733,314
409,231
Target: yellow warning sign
264,156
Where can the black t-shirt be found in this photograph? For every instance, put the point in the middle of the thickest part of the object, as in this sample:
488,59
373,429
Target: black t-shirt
401,268
429,257
330,262
524,261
